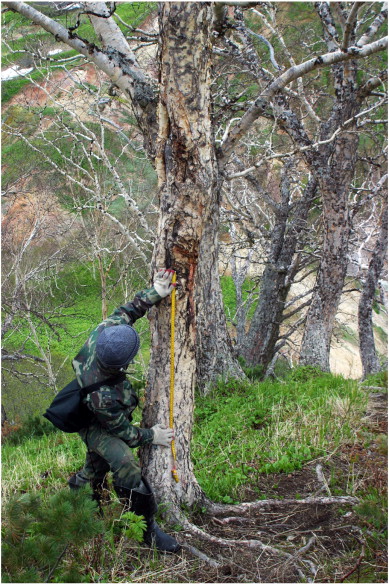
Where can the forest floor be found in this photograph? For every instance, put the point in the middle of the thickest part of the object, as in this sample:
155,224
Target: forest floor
302,540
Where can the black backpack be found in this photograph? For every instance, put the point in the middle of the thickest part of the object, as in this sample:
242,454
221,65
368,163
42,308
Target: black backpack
67,411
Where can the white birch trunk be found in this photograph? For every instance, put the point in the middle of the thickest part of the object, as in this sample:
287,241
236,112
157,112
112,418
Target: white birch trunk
187,180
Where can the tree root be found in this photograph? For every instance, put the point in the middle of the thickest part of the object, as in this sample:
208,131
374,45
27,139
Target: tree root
246,508
224,515
321,478
194,551
294,559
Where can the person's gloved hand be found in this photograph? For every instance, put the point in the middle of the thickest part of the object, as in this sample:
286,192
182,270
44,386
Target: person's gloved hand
163,282
162,435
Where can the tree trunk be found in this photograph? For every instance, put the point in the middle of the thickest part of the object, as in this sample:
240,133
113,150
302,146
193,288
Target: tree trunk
334,171
187,177
315,349
277,278
370,361
215,355
239,273
4,417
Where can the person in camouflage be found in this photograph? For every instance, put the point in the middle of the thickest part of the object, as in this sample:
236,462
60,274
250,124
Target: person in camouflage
111,436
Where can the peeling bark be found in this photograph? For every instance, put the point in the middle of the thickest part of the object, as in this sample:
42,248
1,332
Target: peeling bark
188,197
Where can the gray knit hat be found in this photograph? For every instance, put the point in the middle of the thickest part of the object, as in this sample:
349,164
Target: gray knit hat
117,345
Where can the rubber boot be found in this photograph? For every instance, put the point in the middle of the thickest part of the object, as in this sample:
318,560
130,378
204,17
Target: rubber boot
141,501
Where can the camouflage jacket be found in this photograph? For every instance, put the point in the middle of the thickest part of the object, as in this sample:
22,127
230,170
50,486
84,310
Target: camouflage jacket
113,405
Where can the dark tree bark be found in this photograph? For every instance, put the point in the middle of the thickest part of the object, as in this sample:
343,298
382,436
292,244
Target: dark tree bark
264,331
369,358
335,169
189,186
334,166
213,344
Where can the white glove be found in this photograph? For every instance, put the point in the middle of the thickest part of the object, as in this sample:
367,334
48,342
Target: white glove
163,282
162,435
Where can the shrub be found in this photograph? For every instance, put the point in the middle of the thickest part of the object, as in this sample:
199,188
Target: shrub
37,535
305,373
33,426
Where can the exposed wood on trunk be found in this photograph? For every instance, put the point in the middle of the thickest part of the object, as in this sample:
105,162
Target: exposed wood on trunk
187,181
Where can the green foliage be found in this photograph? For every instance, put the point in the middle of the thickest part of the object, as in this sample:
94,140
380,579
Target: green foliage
36,535
40,463
379,379
381,334
244,428
305,373
14,17
349,335
23,400
229,295
13,86
81,285
255,372
373,510
17,156
133,526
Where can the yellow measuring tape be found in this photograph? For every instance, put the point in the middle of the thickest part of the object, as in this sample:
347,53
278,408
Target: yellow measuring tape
171,408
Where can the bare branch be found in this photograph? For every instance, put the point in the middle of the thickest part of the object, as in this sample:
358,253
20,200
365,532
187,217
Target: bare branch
374,27
260,104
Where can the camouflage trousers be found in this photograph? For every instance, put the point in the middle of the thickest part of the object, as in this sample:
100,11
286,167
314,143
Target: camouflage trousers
109,453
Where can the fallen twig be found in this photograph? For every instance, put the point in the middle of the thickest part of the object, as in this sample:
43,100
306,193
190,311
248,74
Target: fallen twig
227,520
361,556
322,479
306,547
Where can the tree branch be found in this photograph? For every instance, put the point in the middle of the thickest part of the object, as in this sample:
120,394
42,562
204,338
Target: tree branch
116,61
261,103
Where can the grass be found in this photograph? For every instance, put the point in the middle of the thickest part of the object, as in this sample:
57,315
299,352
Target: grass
241,430
84,313
379,379
229,295
244,429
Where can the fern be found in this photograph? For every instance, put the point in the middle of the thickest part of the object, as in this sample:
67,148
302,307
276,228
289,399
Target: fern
133,526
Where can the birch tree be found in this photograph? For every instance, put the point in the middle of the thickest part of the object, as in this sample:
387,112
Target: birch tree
369,357
285,213
335,180
85,155
190,168
328,146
